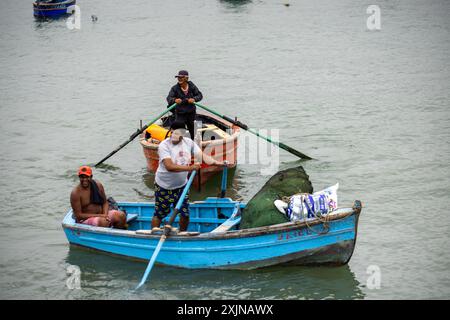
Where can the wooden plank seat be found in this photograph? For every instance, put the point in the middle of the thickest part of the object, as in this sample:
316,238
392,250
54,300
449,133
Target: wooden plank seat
232,221
131,217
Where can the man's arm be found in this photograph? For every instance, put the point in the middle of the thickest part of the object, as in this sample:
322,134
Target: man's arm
171,97
210,160
170,166
203,157
197,95
75,202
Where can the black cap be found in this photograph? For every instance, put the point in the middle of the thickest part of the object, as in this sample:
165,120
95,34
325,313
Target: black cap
182,73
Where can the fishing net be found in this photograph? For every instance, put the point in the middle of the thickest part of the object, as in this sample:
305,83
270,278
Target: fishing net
260,210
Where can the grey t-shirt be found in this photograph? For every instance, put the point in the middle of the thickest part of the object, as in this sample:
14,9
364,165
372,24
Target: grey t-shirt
180,154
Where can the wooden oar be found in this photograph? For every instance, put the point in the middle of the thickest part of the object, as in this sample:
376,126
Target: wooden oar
134,135
245,127
167,229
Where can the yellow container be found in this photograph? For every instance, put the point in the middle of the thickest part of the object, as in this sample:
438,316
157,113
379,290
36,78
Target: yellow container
157,132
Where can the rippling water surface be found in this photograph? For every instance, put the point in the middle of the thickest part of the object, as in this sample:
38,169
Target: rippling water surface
371,106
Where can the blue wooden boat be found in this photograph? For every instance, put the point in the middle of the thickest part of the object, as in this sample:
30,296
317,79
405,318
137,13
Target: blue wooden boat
52,8
218,243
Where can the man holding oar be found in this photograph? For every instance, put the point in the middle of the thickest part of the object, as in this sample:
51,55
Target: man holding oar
175,154
185,93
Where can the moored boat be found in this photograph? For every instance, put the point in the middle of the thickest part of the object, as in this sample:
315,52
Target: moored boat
52,8
219,139
216,243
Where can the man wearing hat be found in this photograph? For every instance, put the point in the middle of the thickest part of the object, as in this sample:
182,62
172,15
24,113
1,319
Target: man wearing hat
185,93
175,155
89,204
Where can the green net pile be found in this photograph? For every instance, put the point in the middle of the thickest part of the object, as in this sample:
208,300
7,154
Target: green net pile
260,210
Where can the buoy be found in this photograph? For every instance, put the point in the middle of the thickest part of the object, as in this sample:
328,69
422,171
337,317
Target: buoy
94,18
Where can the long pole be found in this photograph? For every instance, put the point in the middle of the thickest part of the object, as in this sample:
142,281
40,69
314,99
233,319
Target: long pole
134,135
167,229
245,127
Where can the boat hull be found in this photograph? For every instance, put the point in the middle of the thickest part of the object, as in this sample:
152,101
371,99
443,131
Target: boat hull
288,243
52,10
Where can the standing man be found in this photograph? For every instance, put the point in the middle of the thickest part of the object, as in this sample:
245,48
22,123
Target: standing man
175,154
185,93
89,204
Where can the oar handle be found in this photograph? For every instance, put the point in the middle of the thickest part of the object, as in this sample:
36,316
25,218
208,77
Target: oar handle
168,226
224,179
134,135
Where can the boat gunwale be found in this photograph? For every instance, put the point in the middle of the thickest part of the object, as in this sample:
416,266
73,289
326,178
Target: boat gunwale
216,142
52,3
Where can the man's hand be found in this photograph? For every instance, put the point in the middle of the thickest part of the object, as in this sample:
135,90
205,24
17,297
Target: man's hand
178,101
191,100
222,163
195,166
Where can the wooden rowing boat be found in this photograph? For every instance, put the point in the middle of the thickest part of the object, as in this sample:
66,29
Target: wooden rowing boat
216,243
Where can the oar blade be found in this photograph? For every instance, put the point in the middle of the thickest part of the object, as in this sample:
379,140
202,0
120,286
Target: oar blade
245,127
293,151
152,262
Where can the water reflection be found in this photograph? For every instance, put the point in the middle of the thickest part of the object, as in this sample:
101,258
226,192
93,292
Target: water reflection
41,23
235,5
121,275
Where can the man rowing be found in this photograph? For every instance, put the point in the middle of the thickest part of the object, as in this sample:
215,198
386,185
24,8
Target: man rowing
185,93
175,155
89,204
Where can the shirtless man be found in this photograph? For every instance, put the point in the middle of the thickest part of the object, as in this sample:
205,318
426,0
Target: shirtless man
93,209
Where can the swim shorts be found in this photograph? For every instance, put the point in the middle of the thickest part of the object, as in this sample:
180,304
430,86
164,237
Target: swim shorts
165,198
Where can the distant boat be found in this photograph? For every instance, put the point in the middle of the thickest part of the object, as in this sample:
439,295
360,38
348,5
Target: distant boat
218,243
52,8
219,140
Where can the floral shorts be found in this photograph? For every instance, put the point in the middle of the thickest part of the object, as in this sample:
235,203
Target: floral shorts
165,198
